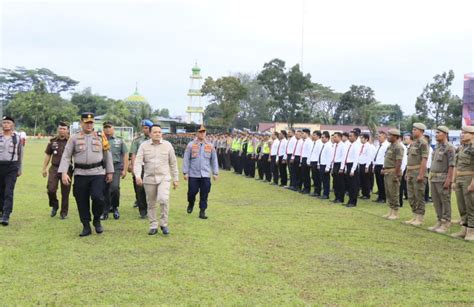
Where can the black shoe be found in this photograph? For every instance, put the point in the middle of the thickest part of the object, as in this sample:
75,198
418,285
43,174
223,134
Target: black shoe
165,230
104,216
153,231
202,214
135,205
143,215
364,197
86,231
351,205
5,221
54,211
116,214
63,216
304,192
337,201
324,197
190,209
98,227
381,201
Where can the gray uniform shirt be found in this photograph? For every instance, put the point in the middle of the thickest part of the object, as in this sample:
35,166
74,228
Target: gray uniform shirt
200,160
9,151
86,149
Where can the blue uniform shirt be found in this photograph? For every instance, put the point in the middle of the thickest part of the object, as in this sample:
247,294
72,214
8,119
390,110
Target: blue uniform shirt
200,160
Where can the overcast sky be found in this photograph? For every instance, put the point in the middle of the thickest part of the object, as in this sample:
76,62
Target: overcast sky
395,47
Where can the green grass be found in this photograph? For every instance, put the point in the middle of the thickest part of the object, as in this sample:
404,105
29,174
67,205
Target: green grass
261,245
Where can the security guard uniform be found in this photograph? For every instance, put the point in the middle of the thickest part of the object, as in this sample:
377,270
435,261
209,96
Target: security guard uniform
392,173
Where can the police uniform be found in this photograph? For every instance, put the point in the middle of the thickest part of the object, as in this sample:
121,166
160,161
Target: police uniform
92,161
416,190
11,157
199,163
118,149
140,195
392,172
54,150
442,160
463,175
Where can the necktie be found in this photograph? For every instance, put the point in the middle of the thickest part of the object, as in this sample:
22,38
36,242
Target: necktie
347,155
320,153
296,145
362,149
334,156
375,159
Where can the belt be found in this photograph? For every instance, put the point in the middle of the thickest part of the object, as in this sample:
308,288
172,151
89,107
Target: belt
465,173
434,174
389,170
88,166
413,167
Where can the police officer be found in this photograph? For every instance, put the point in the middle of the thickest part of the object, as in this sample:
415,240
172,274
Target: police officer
441,174
11,157
416,174
54,152
464,183
140,195
119,151
199,163
392,173
93,167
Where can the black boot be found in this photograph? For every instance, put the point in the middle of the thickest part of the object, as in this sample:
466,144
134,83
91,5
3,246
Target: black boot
116,214
202,214
190,208
54,211
98,227
5,220
86,230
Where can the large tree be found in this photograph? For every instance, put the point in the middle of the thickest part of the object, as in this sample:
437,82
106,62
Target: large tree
432,104
355,104
321,103
227,92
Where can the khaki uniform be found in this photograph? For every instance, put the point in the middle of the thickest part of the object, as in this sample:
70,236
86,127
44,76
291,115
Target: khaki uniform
91,163
160,167
442,160
55,149
393,154
417,151
464,163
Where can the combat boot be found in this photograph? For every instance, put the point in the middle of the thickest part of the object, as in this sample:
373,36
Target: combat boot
409,222
202,214
418,220
469,234
390,212
395,215
444,227
436,226
86,230
461,233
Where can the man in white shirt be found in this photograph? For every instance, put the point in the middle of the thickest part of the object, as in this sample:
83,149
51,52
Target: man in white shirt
367,154
305,183
324,163
281,159
336,161
350,167
378,165
407,140
313,162
274,157
295,161
290,149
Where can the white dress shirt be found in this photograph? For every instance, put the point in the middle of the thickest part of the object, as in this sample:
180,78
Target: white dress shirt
307,148
325,155
367,154
316,151
405,157
290,147
351,155
338,154
282,149
380,153
273,150
298,149
430,156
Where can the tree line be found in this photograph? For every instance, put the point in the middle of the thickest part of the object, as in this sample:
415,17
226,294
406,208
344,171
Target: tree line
34,97
278,93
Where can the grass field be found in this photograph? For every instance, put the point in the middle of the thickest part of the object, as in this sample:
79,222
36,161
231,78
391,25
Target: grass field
261,245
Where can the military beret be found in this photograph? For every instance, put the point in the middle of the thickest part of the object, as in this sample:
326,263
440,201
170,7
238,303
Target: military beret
87,117
394,132
419,126
6,117
443,129
146,122
469,129
107,124
63,124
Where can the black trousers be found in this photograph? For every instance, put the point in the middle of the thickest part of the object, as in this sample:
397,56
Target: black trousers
316,177
112,190
261,172
353,183
266,165
274,169
403,188
227,163
8,176
371,176
325,179
140,196
201,185
380,182
298,181
291,170
250,166
85,189
338,182
283,172
427,188
305,175
364,181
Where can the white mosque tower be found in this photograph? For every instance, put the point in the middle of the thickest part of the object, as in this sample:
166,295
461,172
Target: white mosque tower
195,109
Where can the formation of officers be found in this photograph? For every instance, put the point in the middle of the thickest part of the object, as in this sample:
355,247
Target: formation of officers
299,160
96,161
305,161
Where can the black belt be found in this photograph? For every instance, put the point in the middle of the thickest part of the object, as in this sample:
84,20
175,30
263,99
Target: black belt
8,162
87,166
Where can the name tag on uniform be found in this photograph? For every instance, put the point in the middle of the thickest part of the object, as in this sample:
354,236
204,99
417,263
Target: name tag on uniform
195,150
208,148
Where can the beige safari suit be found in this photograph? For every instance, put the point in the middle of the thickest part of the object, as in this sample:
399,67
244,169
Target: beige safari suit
417,151
442,160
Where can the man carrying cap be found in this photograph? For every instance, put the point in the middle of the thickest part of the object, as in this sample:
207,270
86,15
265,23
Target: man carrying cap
199,163
11,157
93,168
54,152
